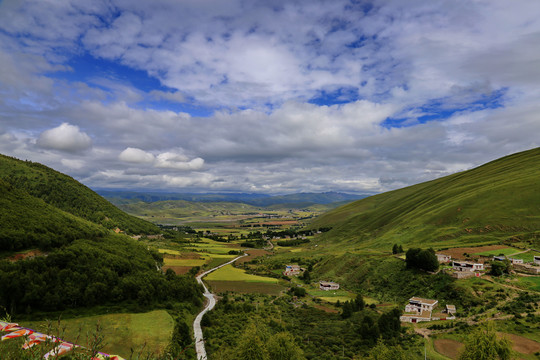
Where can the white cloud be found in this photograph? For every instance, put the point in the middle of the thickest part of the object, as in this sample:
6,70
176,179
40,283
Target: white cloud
134,155
65,137
170,160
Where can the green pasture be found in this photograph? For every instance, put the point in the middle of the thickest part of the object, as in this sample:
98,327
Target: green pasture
209,246
245,287
147,332
332,295
530,282
527,256
230,273
505,251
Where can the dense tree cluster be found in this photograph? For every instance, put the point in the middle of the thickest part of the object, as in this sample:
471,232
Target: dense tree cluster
351,306
320,335
91,272
423,259
499,268
397,249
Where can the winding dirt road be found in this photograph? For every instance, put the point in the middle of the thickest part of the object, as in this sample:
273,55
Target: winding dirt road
199,340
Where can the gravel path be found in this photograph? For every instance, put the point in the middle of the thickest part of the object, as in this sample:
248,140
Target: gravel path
199,340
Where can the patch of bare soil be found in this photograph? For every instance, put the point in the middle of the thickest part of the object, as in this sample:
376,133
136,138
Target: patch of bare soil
179,270
252,255
448,347
325,309
457,253
30,254
522,344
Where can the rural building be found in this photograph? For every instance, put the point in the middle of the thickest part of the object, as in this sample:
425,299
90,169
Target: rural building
512,260
450,309
467,266
418,309
527,269
292,270
328,285
418,305
536,260
443,258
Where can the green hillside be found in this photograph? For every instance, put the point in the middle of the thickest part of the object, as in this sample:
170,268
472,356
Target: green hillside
65,193
494,202
27,222
82,264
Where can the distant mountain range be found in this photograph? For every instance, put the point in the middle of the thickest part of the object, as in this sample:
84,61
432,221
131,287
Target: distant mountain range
120,197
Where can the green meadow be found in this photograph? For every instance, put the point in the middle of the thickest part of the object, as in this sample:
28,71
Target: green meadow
506,252
231,273
143,332
485,205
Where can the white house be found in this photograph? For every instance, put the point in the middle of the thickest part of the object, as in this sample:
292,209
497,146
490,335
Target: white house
291,270
418,309
467,266
536,260
418,305
443,258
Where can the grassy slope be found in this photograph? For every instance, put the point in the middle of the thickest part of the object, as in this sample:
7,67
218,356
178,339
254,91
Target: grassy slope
490,203
27,221
182,208
67,194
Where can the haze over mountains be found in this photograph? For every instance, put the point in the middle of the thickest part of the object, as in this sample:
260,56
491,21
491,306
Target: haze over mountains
246,198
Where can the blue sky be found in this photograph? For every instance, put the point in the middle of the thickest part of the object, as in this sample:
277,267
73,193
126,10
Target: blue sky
267,96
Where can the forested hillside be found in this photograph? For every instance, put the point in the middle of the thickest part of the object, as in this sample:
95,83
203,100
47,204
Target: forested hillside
82,263
494,202
67,194
28,222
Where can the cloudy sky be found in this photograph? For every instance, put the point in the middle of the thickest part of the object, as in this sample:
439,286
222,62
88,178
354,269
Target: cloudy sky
267,96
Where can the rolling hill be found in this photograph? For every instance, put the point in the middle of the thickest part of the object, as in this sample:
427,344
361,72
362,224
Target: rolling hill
81,262
494,202
65,194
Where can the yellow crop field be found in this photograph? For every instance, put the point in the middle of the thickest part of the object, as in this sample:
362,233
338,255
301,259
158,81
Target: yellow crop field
184,262
230,273
171,252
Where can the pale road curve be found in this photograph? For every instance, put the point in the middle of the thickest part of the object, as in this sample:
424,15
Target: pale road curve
197,331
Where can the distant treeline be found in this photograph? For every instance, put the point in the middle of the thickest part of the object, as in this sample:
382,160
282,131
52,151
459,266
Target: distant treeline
293,242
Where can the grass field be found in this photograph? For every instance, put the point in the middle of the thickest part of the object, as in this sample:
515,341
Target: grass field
122,332
531,282
245,287
505,251
332,296
527,256
230,273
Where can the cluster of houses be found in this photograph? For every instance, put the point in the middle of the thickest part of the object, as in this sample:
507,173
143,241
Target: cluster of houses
464,269
419,309
295,270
